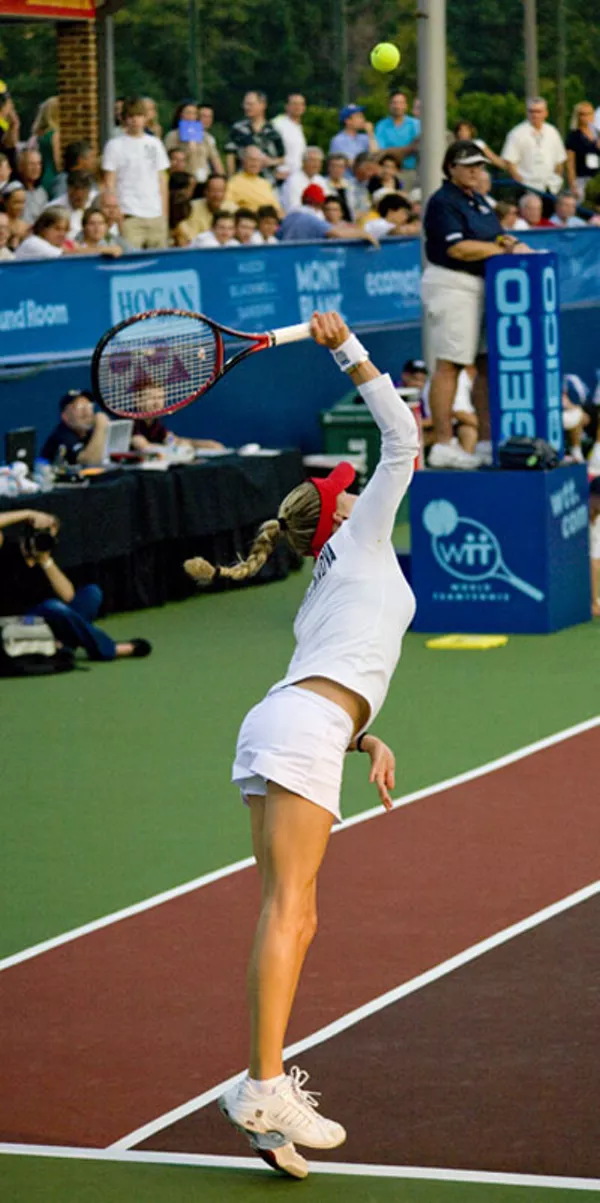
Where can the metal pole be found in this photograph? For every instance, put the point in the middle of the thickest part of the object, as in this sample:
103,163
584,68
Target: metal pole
106,76
561,67
532,86
431,28
431,17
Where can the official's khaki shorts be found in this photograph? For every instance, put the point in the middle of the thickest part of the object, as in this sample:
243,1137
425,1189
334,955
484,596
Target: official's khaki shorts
454,303
145,233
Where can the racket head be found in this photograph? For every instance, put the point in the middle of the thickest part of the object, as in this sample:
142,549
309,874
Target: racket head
156,362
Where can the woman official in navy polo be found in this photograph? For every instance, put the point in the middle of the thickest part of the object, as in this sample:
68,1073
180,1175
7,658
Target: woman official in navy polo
461,232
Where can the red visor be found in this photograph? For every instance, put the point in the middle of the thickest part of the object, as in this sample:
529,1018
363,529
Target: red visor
329,488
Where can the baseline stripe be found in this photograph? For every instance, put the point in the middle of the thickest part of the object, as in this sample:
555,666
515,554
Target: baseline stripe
205,1161
371,1008
207,879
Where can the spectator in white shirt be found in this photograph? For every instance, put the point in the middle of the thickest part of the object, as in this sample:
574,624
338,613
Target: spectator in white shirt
311,172
565,213
221,234
246,228
268,224
135,166
80,193
395,216
531,213
289,126
48,236
534,151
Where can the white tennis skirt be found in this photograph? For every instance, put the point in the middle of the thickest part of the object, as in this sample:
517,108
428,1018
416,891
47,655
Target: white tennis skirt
298,740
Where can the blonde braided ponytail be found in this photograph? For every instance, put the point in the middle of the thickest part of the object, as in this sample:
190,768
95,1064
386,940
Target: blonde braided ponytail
296,522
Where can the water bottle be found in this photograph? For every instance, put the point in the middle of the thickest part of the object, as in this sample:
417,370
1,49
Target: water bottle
43,475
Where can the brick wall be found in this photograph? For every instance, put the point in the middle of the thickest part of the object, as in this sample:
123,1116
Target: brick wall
77,81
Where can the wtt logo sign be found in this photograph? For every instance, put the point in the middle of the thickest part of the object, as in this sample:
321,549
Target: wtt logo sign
131,294
469,551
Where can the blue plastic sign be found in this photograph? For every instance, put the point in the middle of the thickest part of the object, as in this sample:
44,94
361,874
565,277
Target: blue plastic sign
500,552
523,331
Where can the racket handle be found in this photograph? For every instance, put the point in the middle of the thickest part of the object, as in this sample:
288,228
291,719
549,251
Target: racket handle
290,334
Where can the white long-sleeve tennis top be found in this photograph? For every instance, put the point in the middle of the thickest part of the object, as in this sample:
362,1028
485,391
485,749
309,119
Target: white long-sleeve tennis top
358,606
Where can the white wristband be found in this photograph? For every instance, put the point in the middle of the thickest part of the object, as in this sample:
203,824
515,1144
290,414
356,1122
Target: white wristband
350,354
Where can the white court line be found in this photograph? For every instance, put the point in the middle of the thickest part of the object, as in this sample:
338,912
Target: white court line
345,1168
207,879
371,1008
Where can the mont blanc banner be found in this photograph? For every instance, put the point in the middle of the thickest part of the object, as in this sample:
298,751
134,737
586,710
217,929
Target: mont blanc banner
70,10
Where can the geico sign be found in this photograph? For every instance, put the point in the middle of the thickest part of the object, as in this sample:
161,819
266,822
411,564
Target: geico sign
516,352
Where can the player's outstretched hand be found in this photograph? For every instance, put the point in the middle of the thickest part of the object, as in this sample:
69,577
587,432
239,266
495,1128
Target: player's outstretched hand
383,767
329,330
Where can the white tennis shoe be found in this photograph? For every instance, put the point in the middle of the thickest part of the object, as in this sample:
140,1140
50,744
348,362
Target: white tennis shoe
287,1115
286,1158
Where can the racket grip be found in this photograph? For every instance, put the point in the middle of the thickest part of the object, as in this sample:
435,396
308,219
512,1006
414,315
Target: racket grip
290,334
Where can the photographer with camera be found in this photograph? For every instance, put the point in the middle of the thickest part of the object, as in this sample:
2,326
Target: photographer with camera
71,612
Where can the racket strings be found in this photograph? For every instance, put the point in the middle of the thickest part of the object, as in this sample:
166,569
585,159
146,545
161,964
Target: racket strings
154,366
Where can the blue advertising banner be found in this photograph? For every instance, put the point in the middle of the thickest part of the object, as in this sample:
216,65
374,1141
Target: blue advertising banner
500,552
523,333
59,309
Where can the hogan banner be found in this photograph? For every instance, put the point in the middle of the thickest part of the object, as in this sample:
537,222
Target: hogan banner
72,10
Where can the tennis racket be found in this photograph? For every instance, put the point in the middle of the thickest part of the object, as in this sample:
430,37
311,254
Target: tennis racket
157,362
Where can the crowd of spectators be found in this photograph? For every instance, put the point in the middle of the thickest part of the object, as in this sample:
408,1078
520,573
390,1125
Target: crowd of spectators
265,184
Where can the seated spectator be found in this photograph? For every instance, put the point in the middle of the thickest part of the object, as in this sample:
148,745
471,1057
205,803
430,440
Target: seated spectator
395,217
48,238
337,183
387,175
311,172
78,156
197,153
206,114
565,212
531,213
466,131
152,124
177,159
508,214
333,211
80,436
400,132
181,185
203,210
221,234
484,186
6,255
247,189
70,612
151,435
255,130
362,171
93,239
13,199
108,204
246,228
81,191
583,149
268,224
356,135
29,170
533,152
46,132
5,171
308,223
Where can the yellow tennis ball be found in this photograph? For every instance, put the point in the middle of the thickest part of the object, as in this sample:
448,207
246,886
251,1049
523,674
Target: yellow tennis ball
385,56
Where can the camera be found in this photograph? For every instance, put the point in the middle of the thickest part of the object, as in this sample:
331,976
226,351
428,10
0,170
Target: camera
37,541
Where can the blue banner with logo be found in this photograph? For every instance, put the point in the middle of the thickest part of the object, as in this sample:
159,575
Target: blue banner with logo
500,552
523,334
59,309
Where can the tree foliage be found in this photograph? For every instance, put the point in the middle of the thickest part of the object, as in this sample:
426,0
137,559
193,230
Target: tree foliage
284,45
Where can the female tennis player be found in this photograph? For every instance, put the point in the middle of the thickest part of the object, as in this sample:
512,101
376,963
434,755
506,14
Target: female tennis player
291,746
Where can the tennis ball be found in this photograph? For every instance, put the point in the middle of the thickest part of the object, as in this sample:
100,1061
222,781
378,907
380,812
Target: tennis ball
385,56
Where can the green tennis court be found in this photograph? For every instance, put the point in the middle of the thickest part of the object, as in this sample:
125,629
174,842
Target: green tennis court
116,789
